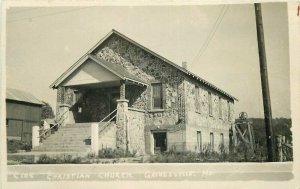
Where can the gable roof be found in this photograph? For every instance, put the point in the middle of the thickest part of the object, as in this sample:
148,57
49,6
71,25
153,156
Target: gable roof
21,96
187,72
116,69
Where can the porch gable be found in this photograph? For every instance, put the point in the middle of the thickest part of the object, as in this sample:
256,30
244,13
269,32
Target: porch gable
91,70
90,73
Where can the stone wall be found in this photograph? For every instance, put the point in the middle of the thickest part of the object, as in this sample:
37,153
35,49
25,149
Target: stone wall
136,96
64,100
178,116
135,126
204,122
176,140
149,68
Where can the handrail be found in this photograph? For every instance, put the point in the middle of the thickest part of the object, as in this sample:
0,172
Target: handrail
288,145
61,116
59,123
46,131
106,124
107,116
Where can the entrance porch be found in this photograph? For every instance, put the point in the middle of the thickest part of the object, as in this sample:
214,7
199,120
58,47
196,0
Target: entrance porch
93,104
90,92
107,98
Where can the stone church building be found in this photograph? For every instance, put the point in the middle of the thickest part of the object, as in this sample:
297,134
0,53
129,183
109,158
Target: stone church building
149,103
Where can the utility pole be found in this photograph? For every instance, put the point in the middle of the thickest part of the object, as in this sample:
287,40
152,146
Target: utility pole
264,81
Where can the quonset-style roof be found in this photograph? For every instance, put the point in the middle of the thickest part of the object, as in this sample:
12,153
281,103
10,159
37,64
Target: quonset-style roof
21,96
187,72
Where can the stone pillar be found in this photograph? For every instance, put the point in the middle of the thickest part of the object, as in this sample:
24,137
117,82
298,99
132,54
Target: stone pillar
121,122
63,116
122,90
95,138
35,136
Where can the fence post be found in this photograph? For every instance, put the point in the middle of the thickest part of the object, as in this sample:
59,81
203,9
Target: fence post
94,138
279,148
35,136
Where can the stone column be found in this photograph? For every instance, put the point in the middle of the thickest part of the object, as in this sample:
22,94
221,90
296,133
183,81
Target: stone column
63,116
122,90
121,121
35,136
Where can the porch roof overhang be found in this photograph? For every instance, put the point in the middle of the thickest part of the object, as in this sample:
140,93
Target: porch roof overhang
116,72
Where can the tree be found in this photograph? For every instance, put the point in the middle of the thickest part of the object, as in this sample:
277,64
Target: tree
47,111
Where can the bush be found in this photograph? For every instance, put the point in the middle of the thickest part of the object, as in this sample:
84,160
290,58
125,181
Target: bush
91,155
14,145
116,153
44,159
68,159
242,153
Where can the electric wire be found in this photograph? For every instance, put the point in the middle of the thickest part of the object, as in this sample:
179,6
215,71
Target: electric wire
212,32
45,15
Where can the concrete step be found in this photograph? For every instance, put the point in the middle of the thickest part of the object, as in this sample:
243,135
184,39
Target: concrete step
61,150
78,147
66,140
72,137
79,124
57,135
67,137
54,143
74,130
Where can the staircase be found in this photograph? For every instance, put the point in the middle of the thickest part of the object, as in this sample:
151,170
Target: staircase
75,138
71,138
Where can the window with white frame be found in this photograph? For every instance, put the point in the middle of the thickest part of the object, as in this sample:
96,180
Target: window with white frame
199,141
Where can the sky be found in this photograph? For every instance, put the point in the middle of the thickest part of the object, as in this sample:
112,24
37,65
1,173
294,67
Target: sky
41,43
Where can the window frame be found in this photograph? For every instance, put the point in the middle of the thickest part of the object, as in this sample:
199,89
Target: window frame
161,96
197,99
210,104
199,143
220,108
222,138
228,109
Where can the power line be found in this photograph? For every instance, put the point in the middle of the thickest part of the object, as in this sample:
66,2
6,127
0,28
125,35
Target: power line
212,32
203,45
45,15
